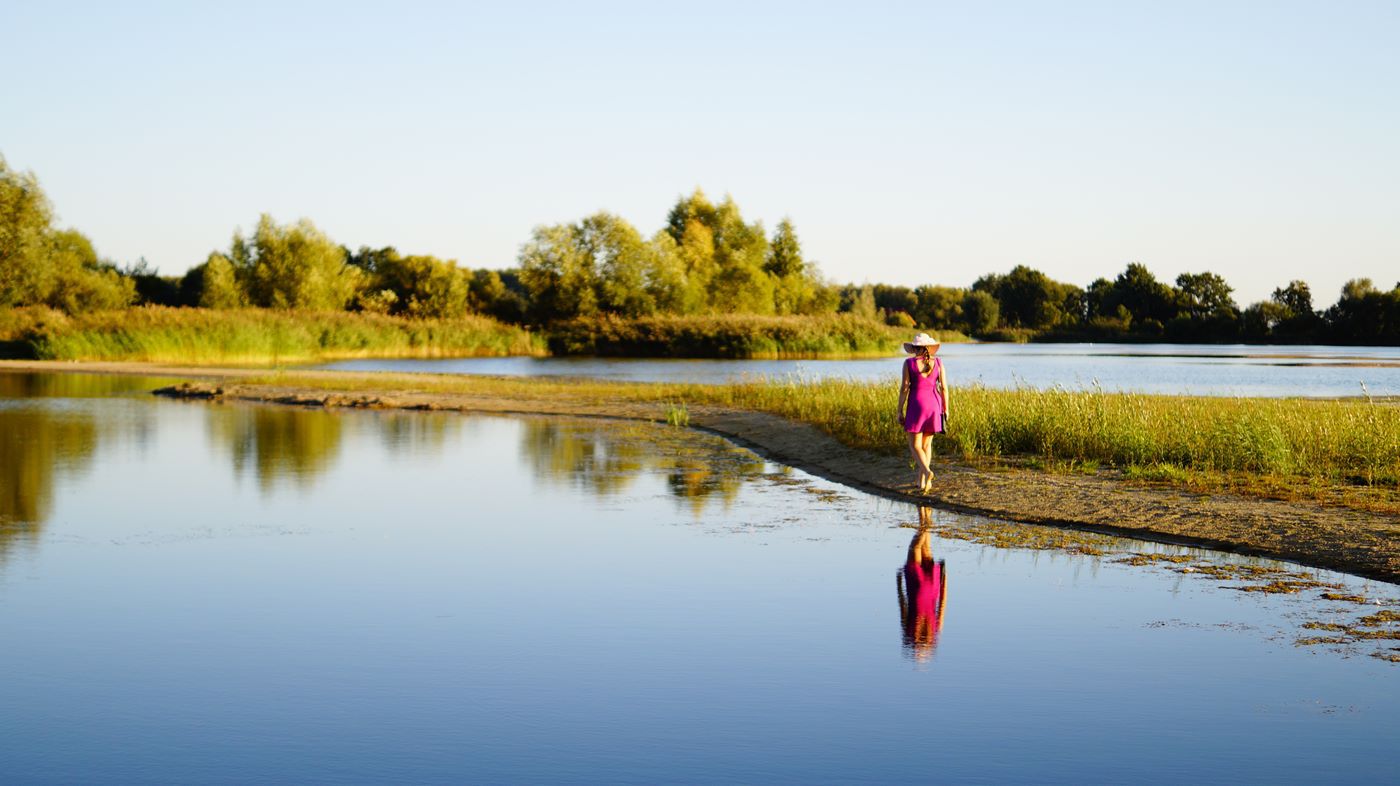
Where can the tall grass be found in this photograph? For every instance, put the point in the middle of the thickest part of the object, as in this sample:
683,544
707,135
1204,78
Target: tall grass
727,336
1349,441
184,335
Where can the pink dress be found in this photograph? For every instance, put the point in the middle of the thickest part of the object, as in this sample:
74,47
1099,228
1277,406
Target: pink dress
924,412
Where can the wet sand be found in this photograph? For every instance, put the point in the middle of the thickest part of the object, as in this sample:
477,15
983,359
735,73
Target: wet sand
1309,533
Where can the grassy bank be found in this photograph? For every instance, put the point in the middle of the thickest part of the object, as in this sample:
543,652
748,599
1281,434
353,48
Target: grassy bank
186,335
728,336
247,336
1153,436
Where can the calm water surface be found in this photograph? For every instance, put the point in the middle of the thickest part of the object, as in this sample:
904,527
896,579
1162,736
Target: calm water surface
218,593
1162,368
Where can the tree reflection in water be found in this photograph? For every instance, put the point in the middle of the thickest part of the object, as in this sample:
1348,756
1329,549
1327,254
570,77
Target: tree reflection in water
37,445
277,443
606,458
417,433
922,584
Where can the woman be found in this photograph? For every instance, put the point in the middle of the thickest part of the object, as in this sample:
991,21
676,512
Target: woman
923,403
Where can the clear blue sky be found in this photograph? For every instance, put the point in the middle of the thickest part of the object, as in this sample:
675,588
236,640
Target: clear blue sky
909,142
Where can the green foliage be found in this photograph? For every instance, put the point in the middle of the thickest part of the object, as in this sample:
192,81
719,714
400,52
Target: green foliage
424,286
784,252
1149,302
706,260
724,336
558,273
81,282
219,287
25,232
497,295
899,319
1204,308
1027,298
1365,314
196,335
293,267
859,302
43,265
980,313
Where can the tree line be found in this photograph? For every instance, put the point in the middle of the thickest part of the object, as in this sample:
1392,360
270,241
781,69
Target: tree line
707,259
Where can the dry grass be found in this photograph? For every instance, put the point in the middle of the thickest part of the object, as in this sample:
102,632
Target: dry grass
251,336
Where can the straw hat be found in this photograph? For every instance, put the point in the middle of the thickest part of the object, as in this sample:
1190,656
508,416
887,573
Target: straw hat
923,340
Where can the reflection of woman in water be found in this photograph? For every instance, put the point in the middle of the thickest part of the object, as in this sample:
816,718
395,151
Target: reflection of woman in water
923,590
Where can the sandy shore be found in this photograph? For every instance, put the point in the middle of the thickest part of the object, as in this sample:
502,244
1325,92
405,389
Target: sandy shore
1308,533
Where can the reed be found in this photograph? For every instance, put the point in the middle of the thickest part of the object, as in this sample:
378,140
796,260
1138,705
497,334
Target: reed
251,336
1351,441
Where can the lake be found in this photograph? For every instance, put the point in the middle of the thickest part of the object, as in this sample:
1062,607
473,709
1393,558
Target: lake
222,593
1207,370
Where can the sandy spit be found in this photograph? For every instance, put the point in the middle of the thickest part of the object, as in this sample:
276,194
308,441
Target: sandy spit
1353,541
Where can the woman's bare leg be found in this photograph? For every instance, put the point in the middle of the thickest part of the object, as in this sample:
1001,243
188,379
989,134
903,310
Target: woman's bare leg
920,458
926,447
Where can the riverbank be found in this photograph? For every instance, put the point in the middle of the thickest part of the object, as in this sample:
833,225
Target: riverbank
1322,531
159,334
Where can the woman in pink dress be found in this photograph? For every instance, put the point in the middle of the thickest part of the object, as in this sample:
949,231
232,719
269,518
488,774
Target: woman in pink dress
923,403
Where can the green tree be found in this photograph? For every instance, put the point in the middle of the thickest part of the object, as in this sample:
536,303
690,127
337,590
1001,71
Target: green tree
893,299
1205,309
740,284
794,285
940,308
79,280
1302,322
491,293
1365,314
422,286
43,265
25,228
1028,298
671,288
784,252
858,300
1296,297
1202,296
1259,321
294,266
559,274
724,256
981,313
1150,303
626,265
219,287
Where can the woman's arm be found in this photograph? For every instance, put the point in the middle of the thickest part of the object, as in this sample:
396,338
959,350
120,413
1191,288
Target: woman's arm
903,393
943,389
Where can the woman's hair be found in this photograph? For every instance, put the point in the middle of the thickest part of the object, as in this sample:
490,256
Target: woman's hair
921,352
